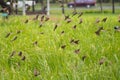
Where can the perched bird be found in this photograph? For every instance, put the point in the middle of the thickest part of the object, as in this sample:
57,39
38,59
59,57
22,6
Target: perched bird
42,17
55,27
117,28
77,51
36,17
36,72
66,17
20,53
8,34
104,19
13,53
14,38
99,30
74,27
23,58
81,20
80,14
63,46
26,21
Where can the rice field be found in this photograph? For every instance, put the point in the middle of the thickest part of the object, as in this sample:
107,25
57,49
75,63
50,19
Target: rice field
80,47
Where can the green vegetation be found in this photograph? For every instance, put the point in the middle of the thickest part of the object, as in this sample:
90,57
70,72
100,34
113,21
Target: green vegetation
31,52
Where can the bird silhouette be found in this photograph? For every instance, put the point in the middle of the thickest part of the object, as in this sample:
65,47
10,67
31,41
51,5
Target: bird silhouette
26,21
14,38
77,51
63,46
74,27
20,53
18,31
99,30
36,72
80,14
62,32
35,43
8,34
104,19
117,28
23,58
76,41
55,27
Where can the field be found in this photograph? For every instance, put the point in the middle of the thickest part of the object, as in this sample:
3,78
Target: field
58,49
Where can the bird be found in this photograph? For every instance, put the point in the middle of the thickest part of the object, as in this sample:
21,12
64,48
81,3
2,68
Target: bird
18,31
72,40
74,13
55,27
68,20
77,51
42,17
14,38
47,18
63,46
81,20
36,17
101,61
117,28
20,53
40,25
74,27
62,32
76,41
13,53
8,34
23,58
99,30
104,19
36,72
35,43
26,21
83,57
97,20
80,14
66,17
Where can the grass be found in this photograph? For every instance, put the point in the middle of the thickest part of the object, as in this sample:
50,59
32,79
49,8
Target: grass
49,59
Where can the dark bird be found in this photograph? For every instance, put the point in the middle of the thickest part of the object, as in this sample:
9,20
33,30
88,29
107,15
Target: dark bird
76,41
68,20
117,28
74,13
36,17
8,34
63,46
35,43
97,20
99,30
66,17
77,51
18,32
104,19
55,27
20,53
83,57
72,41
40,25
42,17
14,38
81,20
101,61
80,14
47,18
23,58
74,27
62,32
26,21
13,53
36,72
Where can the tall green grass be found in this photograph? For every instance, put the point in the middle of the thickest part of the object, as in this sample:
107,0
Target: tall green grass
49,59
